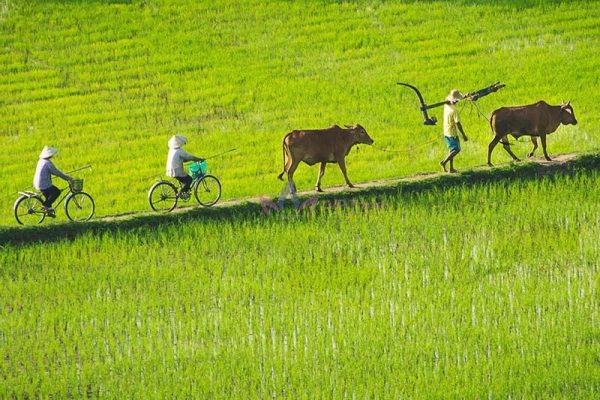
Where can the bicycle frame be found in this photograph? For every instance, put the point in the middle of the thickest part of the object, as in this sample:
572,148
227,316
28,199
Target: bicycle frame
179,185
164,193
59,199
62,197
197,179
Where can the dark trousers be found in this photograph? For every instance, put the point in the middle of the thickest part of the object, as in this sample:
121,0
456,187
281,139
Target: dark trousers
50,194
186,182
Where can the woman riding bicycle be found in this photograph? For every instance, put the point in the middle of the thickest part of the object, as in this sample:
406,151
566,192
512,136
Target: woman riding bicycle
42,180
175,159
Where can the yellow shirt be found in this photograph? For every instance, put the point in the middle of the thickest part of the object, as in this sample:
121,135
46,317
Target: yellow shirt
451,120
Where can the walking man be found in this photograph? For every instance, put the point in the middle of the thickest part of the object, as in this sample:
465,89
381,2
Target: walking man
451,127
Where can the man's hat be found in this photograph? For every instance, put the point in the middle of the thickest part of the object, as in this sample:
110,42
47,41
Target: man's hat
177,141
454,96
48,152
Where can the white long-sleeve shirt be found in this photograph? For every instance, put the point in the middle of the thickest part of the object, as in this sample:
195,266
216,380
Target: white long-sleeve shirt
175,161
42,179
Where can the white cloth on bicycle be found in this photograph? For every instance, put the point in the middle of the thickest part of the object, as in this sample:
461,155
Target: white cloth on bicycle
43,174
175,161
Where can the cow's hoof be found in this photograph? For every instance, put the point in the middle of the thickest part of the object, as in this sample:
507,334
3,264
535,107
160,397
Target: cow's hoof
351,186
490,164
318,189
548,159
529,155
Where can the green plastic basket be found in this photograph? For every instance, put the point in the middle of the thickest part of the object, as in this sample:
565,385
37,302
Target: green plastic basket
198,168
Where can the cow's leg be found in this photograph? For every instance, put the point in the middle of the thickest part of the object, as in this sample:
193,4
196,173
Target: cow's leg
290,174
535,146
321,173
543,140
288,163
342,164
287,160
491,146
506,146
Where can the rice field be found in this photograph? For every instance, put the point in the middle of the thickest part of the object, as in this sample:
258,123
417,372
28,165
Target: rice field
108,82
479,291
481,285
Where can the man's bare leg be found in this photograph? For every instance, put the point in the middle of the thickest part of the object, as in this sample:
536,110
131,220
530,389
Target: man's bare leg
449,157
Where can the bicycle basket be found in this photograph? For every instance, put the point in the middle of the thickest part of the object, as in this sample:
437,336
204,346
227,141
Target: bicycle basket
76,185
198,169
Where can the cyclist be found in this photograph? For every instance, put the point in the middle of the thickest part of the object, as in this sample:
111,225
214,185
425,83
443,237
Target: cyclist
175,159
42,180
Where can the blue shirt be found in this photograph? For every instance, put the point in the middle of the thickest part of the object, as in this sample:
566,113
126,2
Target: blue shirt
43,174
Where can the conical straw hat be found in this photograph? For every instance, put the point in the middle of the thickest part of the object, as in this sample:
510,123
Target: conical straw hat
177,141
48,152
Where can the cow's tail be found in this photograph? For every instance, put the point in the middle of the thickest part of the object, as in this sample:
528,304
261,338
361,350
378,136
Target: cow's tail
283,148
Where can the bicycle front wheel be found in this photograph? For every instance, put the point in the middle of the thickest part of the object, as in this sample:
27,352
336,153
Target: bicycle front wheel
207,190
163,196
79,206
28,210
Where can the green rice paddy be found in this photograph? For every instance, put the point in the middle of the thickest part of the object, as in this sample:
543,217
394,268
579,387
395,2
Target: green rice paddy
481,285
489,291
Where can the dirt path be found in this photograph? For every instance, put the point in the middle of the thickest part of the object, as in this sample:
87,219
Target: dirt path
559,159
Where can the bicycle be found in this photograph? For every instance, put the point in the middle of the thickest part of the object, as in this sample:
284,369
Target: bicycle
79,205
164,195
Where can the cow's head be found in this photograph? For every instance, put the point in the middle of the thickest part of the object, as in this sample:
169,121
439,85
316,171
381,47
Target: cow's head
360,134
567,115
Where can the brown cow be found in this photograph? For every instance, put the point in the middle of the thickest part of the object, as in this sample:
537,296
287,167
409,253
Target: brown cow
330,145
535,120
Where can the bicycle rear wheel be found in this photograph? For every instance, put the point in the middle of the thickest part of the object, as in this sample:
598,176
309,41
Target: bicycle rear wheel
163,196
207,190
79,206
28,210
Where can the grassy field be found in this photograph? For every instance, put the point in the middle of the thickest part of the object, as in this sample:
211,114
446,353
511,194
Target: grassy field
486,290
478,285
108,82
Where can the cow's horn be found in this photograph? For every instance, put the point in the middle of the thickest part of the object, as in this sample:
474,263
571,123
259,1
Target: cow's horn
349,126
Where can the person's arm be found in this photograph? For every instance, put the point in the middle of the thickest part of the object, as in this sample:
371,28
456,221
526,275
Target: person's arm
188,157
460,128
57,172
